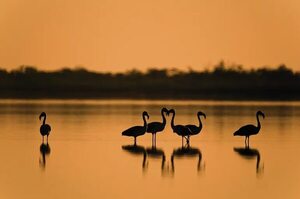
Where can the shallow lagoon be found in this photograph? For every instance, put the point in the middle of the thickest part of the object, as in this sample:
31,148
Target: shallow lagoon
88,158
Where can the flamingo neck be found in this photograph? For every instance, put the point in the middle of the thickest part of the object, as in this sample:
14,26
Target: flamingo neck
200,122
258,122
44,120
145,121
172,121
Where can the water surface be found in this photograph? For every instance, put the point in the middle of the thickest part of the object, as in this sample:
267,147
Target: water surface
88,158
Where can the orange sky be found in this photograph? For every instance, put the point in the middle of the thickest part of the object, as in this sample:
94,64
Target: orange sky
116,35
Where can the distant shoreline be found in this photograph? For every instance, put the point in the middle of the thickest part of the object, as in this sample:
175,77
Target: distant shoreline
222,83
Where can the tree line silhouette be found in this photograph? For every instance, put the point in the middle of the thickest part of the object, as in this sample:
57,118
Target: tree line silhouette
222,82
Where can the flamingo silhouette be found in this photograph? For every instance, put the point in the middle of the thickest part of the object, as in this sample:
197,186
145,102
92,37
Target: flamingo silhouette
250,129
180,130
45,128
155,127
194,130
136,131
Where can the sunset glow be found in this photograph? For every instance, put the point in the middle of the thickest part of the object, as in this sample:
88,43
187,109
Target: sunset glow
119,35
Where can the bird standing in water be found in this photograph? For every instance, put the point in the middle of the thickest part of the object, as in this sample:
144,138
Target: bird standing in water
250,129
194,130
136,131
155,127
45,128
180,130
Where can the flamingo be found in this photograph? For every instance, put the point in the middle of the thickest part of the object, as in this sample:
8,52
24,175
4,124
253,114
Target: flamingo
196,129
155,127
250,129
180,130
136,131
45,128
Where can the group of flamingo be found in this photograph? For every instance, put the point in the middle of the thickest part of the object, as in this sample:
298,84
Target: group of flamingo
185,131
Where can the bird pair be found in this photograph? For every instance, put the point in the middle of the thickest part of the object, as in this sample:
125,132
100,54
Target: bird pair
185,131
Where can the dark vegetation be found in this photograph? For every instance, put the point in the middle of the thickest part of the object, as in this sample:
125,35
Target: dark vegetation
223,82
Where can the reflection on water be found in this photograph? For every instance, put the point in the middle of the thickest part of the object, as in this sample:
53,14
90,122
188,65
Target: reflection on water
45,151
251,153
157,153
187,151
88,162
137,150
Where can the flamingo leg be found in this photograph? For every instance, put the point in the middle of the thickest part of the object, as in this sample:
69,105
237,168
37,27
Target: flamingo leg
248,140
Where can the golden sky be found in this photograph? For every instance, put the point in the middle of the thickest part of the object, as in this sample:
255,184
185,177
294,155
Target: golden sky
117,35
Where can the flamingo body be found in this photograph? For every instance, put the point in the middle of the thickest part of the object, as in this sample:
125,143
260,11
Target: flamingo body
45,128
250,129
247,130
194,130
155,127
180,130
136,131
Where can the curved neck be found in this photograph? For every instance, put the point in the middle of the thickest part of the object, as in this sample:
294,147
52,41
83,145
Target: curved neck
44,120
258,122
163,118
145,121
200,123
172,121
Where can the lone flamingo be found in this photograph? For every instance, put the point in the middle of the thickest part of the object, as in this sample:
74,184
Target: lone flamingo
250,129
194,130
136,131
45,128
179,129
155,127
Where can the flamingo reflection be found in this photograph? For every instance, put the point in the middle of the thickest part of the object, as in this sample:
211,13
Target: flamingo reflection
250,153
156,153
137,150
186,151
45,151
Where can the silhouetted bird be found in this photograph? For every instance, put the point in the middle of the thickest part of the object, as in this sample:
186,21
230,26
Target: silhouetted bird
180,130
45,128
194,130
250,129
155,127
136,131
249,153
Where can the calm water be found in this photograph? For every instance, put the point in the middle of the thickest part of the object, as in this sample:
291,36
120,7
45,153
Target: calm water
88,158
